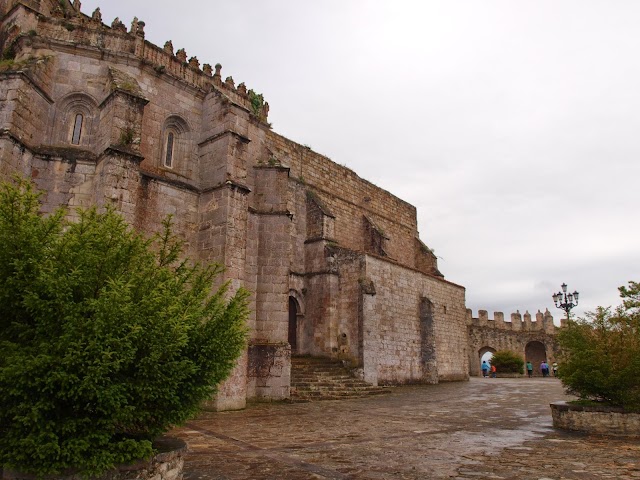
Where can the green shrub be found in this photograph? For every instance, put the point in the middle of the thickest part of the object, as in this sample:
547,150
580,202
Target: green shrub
107,339
600,357
257,102
506,361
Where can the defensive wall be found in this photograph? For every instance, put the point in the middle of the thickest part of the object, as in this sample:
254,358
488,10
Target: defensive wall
533,340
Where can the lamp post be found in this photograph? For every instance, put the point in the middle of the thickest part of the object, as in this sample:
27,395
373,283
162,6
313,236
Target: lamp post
565,300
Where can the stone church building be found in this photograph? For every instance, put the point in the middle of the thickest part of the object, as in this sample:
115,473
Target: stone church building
95,114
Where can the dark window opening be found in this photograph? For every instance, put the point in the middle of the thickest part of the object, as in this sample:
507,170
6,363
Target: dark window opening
77,129
168,158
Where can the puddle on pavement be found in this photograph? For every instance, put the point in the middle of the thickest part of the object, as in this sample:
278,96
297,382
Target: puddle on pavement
492,441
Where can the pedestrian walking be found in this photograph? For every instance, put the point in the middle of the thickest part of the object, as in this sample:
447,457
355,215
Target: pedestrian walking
485,369
494,371
530,369
544,368
554,368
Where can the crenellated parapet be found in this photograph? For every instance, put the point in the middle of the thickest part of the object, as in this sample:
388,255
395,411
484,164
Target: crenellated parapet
43,22
518,322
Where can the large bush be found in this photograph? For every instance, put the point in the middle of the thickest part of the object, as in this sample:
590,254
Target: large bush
506,361
601,354
107,339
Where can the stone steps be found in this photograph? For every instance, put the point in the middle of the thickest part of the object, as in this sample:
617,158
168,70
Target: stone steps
316,378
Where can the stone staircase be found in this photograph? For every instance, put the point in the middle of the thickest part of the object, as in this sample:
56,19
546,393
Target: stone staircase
316,378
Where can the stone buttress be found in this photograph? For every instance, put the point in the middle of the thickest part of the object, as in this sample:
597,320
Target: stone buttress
97,115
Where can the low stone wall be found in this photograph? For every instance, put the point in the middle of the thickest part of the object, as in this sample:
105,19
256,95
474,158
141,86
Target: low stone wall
595,419
166,465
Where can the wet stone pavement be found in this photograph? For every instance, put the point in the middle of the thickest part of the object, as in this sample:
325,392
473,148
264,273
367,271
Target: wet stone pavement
481,429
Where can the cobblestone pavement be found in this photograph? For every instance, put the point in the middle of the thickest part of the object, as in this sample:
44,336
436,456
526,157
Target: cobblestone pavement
481,429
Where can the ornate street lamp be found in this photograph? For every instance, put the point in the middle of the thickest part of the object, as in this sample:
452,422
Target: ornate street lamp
565,300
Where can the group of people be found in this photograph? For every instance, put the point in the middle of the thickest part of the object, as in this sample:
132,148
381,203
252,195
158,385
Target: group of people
489,370
545,370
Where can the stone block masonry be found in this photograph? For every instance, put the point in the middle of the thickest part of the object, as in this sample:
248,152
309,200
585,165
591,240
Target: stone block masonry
167,464
408,341
532,340
96,115
596,419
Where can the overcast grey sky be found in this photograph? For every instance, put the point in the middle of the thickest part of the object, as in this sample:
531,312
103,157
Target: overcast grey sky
512,125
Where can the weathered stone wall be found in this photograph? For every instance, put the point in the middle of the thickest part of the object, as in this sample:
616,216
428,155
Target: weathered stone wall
14,158
25,106
269,370
349,198
348,336
391,324
320,329
487,334
285,222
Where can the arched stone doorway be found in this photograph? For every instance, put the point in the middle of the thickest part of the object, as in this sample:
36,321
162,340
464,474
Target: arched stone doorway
535,352
483,354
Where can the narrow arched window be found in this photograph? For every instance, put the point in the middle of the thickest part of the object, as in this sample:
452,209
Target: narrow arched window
175,143
168,156
77,129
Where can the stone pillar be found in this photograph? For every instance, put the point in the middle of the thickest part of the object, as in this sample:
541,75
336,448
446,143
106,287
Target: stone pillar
230,145
115,183
226,233
269,343
117,174
274,250
222,238
370,333
428,342
121,117
322,334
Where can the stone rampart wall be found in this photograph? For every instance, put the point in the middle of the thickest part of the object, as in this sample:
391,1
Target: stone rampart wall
518,322
518,335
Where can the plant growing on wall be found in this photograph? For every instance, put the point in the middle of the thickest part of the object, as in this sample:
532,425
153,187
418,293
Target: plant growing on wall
127,136
506,361
257,102
107,338
600,357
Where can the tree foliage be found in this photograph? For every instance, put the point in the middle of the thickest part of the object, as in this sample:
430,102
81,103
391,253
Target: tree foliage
507,361
601,354
107,338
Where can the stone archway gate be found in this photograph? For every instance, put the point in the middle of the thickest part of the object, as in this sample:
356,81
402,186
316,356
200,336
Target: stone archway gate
498,334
